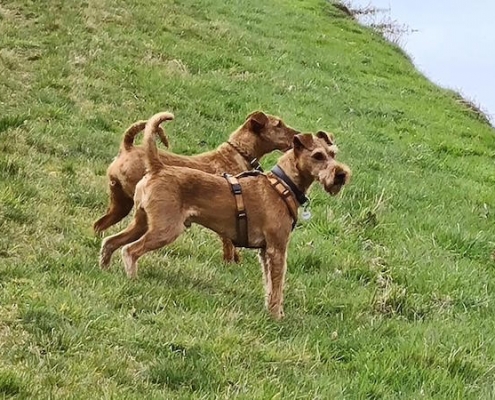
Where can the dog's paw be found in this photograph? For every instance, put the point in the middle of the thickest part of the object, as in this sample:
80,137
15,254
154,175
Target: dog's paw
105,256
232,258
99,227
277,312
129,264
97,232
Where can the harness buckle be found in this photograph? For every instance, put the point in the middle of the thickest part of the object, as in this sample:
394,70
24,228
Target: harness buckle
256,165
236,188
242,214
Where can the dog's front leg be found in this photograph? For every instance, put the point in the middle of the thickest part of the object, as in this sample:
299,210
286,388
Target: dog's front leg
274,268
267,280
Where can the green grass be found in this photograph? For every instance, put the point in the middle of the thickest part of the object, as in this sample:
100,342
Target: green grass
390,286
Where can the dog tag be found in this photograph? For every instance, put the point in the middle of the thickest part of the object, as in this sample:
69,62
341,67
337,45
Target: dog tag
306,214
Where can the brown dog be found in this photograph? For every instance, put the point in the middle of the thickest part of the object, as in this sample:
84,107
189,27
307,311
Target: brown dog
260,134
169,198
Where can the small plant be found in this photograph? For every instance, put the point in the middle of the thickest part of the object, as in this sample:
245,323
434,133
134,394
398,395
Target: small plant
378,19
471,107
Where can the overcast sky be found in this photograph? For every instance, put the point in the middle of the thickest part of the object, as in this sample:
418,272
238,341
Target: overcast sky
454,44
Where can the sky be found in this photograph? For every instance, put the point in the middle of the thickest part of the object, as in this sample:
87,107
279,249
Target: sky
452,43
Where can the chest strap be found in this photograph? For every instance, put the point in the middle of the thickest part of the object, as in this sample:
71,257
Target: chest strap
285,193
241,216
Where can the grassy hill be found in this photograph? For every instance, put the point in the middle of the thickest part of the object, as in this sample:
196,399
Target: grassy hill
390,286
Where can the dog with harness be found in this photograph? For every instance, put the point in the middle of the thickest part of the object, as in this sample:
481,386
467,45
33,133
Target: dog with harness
253,210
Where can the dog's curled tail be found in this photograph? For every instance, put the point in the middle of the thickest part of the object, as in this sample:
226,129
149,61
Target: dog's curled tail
153,162
131,133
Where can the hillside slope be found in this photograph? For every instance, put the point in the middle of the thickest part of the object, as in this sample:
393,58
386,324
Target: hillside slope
390,286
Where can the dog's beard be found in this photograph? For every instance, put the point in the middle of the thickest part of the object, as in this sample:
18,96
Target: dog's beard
334,189
332,180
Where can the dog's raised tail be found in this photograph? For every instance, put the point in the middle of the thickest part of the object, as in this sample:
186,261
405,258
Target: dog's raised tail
131,133
153,162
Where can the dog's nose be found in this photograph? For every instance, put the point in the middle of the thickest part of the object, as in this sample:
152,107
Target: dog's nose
339,178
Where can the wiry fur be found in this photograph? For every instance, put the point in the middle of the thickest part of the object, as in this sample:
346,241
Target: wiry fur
258,135
169,198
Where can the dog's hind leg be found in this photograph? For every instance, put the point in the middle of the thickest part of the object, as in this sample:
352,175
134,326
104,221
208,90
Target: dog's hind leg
274,261
133,232
230,253
120,206
159,234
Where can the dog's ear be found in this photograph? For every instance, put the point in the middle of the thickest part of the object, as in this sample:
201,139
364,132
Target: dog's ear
327,137
303,141
257,120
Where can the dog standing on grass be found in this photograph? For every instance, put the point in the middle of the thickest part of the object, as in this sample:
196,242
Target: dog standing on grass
170,198
260,134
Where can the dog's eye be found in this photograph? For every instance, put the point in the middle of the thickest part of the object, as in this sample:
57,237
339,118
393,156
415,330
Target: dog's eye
319,156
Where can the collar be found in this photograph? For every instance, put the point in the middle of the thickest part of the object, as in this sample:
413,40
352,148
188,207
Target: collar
279,173
253,161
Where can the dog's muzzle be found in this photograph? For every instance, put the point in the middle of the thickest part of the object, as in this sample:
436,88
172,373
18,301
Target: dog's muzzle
334,180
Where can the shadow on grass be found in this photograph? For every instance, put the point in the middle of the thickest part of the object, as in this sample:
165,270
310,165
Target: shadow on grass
11,122
10,384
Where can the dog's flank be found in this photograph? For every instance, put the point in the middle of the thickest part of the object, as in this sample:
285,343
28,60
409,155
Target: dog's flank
169,198
257,136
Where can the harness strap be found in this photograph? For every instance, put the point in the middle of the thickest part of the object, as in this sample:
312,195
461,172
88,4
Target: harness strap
241,216
253,172
286,194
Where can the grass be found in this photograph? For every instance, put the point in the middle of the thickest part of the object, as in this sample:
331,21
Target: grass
390,286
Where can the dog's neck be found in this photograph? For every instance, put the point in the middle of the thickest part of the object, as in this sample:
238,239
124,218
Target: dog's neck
249,144
253,162
288,164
